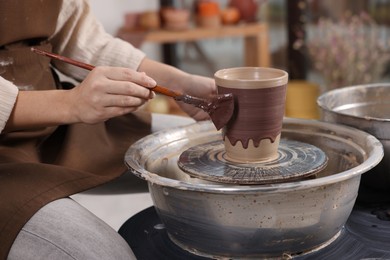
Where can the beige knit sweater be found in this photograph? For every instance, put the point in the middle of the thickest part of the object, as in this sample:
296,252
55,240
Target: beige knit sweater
79,36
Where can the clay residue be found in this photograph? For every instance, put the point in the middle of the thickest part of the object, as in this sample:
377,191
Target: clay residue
219,107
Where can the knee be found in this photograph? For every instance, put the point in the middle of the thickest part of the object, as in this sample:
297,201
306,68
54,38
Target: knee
65,230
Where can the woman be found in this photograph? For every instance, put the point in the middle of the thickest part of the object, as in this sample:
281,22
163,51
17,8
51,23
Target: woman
57,140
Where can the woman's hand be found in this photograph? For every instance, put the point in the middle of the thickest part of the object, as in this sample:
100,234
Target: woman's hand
109,92
105,93
197,86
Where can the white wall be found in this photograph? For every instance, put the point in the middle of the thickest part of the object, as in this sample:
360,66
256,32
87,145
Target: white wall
111,14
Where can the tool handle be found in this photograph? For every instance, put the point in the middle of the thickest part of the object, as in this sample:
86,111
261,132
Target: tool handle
64,59
166,91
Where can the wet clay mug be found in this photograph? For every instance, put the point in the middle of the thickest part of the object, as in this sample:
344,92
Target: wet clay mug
253,133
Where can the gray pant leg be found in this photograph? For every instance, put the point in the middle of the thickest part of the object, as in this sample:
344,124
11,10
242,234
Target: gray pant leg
63,229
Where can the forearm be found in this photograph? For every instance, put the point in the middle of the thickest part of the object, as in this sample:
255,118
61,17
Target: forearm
181,81
176,79
34,109
165,75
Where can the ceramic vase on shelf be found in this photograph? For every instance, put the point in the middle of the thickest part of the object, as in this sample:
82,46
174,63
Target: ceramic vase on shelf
207,14
247,8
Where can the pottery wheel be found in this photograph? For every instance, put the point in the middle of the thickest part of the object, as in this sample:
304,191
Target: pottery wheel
296,160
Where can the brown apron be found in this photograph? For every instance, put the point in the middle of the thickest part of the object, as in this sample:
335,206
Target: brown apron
38,166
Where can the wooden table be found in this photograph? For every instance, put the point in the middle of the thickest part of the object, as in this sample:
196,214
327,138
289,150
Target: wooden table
255,35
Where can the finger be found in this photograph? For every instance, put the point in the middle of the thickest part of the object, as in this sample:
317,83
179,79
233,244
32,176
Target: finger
123,101
111,112
114,100
195,113
128,89
126,74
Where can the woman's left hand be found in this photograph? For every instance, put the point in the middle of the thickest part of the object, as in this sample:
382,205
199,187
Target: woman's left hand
198,86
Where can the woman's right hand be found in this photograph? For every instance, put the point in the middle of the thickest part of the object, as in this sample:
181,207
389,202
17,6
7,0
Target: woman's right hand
109,92
105,93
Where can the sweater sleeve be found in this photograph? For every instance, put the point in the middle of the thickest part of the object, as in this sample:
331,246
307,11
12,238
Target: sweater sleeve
8,94
80,36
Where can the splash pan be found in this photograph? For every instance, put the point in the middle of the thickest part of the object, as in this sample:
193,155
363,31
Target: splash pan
222,220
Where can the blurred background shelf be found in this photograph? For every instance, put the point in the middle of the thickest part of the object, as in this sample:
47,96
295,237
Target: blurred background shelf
255,36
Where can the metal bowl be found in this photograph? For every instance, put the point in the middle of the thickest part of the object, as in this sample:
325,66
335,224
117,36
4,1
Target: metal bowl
365,107
253,221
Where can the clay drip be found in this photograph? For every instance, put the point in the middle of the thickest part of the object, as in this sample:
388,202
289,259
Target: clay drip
257,114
